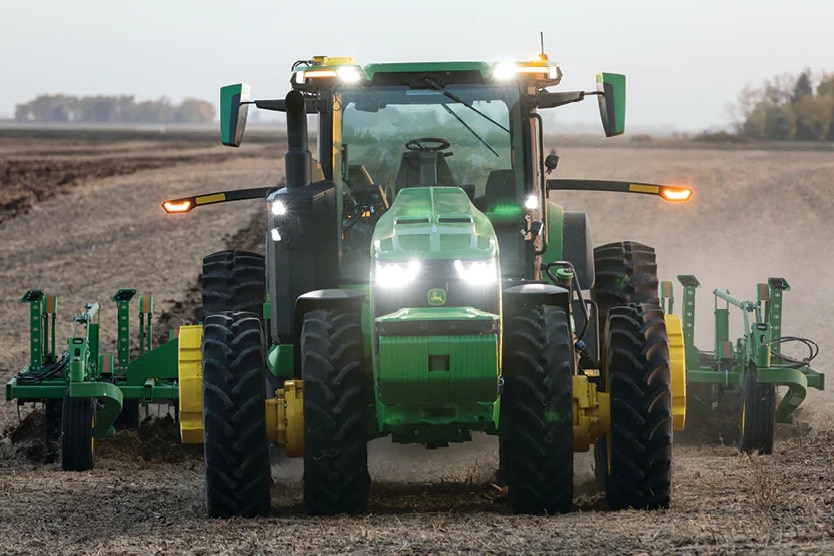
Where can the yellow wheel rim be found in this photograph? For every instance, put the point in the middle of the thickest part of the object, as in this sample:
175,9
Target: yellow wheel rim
677,367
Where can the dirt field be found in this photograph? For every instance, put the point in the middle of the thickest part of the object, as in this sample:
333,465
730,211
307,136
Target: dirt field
82,219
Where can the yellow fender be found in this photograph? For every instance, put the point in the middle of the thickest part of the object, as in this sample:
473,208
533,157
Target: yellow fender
190,373
677,367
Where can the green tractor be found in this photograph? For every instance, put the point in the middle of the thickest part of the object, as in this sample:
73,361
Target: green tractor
419,284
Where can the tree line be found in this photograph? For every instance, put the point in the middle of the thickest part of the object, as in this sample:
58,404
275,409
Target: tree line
788,108
113,109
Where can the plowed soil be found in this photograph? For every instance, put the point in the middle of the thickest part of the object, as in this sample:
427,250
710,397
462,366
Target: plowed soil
83,219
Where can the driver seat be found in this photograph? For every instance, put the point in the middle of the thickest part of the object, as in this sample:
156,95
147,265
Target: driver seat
409,172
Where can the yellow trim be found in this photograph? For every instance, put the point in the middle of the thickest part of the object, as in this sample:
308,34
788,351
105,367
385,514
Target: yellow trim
190,375
285,418
640,188
591,413
677,366
208,199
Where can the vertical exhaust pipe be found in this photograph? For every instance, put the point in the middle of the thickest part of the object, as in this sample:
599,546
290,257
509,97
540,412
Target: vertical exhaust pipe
298,162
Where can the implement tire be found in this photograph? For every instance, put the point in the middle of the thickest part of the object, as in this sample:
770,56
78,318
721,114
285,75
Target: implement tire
234,416
639,383
758,416
77,443
537,411
336,411
233,280
624,272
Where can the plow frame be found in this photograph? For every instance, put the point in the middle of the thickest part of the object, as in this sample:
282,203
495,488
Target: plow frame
758,351
83,371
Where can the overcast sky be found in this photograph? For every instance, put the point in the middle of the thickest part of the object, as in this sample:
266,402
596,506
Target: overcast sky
685,60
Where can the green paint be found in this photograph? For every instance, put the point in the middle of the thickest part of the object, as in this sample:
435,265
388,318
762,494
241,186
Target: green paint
434,369
555,233
422,217
370,70
233,113
280,361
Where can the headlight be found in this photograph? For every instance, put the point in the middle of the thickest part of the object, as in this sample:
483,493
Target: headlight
396,275
477,273
278,208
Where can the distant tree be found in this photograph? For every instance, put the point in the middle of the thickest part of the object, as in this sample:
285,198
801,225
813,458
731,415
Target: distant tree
813,117
113,109
194,111
771,121
787,108
803,87
826,86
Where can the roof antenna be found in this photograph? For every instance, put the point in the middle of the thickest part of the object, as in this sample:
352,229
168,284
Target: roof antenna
543,56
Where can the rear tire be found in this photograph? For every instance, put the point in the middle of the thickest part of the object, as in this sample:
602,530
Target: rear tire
234,416
758,416
336,398
624,272
537,411
77,444
234,280
639,381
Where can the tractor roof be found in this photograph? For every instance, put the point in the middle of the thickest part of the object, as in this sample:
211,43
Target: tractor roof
323,69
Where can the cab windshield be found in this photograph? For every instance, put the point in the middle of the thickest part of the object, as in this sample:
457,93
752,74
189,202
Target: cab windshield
378,123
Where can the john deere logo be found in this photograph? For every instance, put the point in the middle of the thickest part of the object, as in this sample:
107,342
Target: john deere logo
437,296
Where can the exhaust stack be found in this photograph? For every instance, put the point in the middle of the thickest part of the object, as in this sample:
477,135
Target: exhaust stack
298,162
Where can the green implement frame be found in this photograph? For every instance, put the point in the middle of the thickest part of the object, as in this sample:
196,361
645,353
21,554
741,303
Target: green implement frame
758,351
84,371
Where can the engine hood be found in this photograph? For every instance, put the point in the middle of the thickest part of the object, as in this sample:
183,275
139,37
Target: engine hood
433,223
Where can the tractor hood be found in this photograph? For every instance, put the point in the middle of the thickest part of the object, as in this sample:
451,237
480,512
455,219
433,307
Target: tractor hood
433,223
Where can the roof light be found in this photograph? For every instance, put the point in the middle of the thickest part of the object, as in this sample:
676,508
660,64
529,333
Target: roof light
532,203
680,194
319,73
504,70
177,206
348,74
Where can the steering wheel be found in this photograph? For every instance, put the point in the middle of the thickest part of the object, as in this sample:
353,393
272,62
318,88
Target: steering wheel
428,144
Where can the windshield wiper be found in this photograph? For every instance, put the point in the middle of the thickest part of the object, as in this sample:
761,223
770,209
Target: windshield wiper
472,131
459,100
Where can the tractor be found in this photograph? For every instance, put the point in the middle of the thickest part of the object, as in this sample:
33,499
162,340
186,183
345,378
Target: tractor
419,284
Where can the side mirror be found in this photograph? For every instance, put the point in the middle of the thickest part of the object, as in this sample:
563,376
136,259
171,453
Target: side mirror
234,109
612,102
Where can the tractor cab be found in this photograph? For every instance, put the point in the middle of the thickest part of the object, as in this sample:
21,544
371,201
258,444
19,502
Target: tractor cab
384,128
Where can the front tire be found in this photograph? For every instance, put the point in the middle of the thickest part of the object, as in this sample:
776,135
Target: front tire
758,416
639,383
537,411
336,398
234,416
